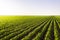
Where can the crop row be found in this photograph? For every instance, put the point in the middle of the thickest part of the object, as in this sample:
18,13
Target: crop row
30,28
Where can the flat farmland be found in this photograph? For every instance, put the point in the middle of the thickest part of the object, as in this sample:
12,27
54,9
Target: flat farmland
29,27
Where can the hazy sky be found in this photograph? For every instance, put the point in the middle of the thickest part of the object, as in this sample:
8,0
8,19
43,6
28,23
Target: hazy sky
29,7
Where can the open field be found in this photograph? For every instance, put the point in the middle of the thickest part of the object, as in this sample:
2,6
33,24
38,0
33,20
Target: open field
29,27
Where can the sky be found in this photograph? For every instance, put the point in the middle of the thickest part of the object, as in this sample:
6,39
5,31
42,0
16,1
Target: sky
29,7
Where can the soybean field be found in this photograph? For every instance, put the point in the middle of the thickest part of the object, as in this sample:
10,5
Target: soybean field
29,27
